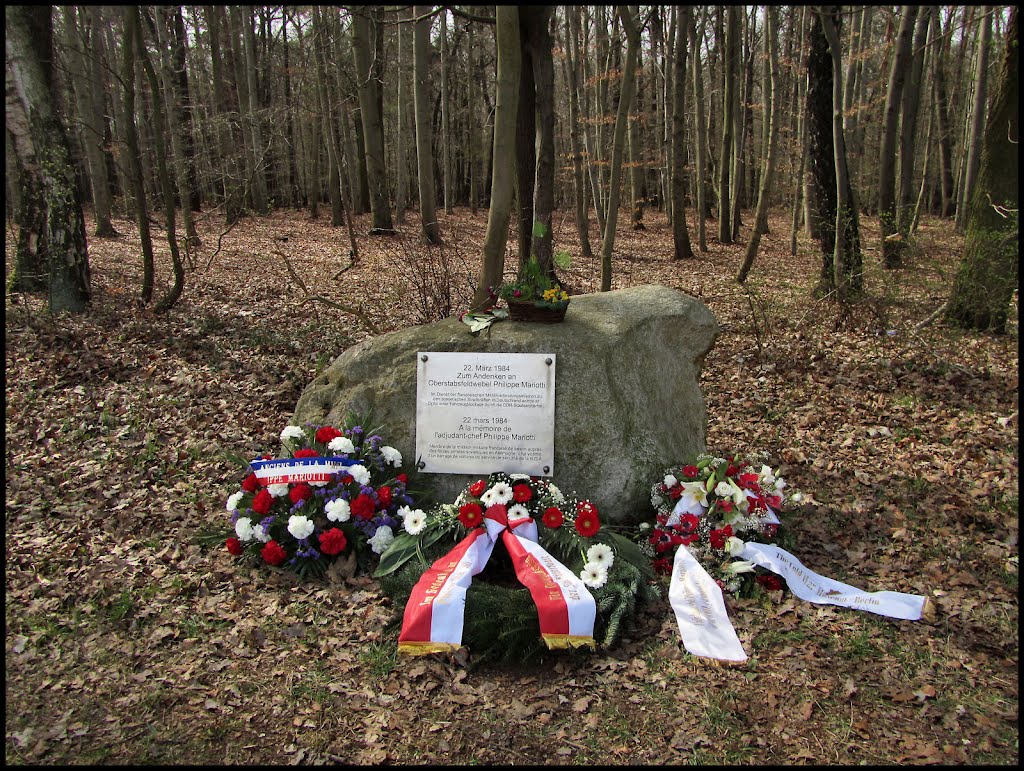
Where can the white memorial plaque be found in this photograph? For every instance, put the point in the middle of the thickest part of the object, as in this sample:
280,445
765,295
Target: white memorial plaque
482,412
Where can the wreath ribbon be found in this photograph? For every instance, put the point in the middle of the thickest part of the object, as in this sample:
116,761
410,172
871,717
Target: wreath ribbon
435,611
700,608
281,471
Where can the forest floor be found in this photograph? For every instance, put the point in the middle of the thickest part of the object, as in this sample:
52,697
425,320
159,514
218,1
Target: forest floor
131,638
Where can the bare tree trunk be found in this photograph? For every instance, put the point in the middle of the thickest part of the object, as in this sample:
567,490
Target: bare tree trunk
908,125
635,162
680,235
572,57
231,183
725,163
977,115
503,175
760,218
942,116
628,15
698,96
892,242
424,139
260,202
801,131
539,43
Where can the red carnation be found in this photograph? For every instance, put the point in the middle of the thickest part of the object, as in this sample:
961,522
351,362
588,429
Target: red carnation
587,523
250,484
301,492
403,478
477,488
731,470
663,565
771,583
675,493
234,546
273,553
749,481
362,507
719,537
470,515
725,506
552,517
384,496
306,452
333,541
521,493
691,471
262,502
325,434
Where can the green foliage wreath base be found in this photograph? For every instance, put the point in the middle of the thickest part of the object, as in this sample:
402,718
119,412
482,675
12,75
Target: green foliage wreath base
501,622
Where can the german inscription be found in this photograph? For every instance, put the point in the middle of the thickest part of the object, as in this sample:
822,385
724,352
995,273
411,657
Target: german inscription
483,412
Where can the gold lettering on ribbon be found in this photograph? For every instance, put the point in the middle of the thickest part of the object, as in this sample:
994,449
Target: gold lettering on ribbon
437,583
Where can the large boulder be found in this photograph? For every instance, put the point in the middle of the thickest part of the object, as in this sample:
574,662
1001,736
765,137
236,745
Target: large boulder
627,400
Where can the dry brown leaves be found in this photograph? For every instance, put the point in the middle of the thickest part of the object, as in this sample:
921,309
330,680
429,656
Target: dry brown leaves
129,640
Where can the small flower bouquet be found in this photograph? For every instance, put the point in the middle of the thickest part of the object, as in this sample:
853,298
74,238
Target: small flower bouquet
534,296
613,568
352,502
709,506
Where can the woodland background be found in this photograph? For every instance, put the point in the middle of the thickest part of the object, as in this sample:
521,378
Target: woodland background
225,198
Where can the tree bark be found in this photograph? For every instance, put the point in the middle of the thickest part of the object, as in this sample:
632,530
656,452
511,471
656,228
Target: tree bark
373,129
725,164
231,187
424,133
503,174
446,120
628,15
680,235
908,125
892,243
698,95
44,153
260,202
942,116
539,43
572,57
760,217
988,276
977,115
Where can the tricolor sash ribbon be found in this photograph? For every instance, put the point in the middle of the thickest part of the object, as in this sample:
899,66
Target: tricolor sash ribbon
435,612
700,608
284,470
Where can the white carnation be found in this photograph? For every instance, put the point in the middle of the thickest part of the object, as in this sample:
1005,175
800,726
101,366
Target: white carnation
292,432
381,539
338,510
278,491
359,473
391,455
260,534
341,445
243,529
300,527
233,500
670,481
556,494
403,511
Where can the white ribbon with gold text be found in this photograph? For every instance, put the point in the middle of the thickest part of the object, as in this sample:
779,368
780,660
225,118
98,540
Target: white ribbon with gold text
700,611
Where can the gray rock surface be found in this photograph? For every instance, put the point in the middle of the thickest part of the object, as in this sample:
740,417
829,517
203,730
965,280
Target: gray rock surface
627,399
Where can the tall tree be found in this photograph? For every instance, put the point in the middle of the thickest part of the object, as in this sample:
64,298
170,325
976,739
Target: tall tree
908,125
364,23
730,64
827,167
41,143
680,235
773,89
700,129
570,63
977,123
629,15
424,133
988,275
942,115
506,99
892,242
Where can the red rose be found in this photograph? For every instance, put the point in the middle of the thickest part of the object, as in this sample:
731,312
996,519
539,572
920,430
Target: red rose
725,506
587,523
301,492
552,517
344,477
719,537
273,553
250,484
306,452
675,493
470,515
384,496
362,507
262,502
521,493
234,546
333,541
691,471
771,583
731,470
325,434
477,488
403,478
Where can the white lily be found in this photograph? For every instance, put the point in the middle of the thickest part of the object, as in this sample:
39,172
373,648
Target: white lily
740,566
734,546
694,494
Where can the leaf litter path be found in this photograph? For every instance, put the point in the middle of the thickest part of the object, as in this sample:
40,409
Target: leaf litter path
132,638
